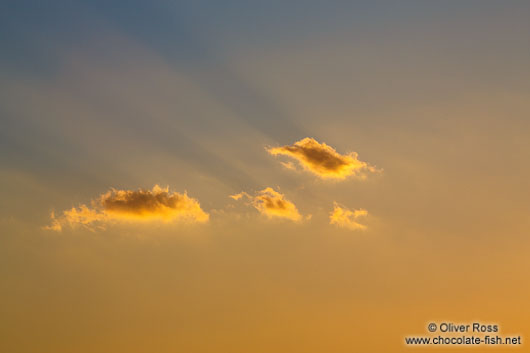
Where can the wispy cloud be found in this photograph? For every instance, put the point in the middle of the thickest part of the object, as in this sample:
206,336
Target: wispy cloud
323,160
346,218
272,204
139,205
239,196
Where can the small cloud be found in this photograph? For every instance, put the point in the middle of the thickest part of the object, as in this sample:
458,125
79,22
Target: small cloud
140,205
345,218
272,204
323,160
239,196
288,165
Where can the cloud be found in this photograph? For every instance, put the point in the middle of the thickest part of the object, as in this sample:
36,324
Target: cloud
139,205
239,196
345,218
272,204
323,160
76,216
288,165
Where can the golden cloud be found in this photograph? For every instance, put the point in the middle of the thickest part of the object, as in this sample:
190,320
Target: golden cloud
239,196
157,204
345,218
323,160
272,204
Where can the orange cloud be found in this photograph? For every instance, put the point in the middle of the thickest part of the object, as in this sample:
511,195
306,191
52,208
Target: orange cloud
157,204
239,196
345,218
323,160
76,216
272,204
288,165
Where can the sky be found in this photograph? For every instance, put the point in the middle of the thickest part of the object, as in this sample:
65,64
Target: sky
248,176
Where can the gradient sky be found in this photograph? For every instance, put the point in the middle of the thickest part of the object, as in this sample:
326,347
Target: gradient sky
194,95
